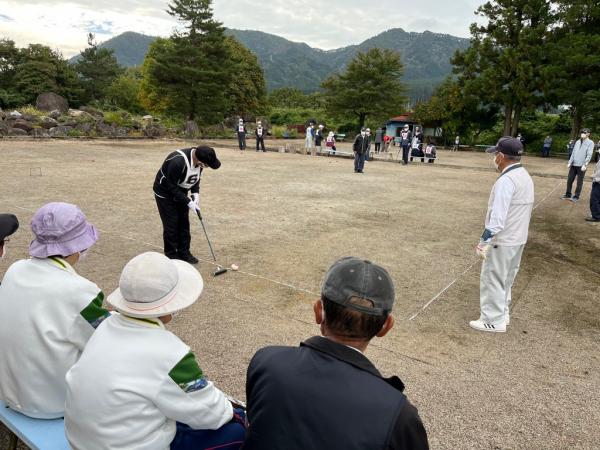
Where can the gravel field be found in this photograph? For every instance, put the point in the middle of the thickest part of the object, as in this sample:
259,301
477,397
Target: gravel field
284,218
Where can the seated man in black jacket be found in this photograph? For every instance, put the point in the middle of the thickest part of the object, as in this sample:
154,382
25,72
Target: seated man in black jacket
326,394
180,173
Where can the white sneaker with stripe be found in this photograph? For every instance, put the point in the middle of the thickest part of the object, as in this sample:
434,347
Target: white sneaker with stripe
484,326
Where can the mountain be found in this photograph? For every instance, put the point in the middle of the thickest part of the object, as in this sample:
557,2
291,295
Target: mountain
426,57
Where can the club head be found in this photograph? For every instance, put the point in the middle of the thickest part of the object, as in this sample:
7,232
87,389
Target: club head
219,271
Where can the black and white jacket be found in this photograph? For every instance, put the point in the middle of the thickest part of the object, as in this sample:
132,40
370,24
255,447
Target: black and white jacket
177,176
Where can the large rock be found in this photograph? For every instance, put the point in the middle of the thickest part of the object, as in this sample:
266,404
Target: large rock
59,131
15,115
154,131
4,128
55,114
93,111
17,132
49,101
81,115
191,128
48,122
39,132
23,125
85,127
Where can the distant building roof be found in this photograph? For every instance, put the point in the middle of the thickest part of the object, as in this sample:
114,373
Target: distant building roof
402,118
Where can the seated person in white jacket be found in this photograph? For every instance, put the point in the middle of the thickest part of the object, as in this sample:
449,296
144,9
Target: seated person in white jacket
47,312
137,385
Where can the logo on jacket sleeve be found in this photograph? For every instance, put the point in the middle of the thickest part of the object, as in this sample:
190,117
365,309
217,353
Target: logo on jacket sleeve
188,375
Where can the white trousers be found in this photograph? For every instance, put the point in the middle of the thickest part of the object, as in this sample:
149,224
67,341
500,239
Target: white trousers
498,273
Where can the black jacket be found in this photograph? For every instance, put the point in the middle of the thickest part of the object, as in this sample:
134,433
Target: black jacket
326,396
318,138
171,173
361,143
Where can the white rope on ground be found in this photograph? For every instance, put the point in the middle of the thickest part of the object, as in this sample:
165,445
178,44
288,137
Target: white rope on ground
439,294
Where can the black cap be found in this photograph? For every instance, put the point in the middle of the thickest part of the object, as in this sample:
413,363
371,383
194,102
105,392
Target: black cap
507,146
353,277
208,156
8,225
585,130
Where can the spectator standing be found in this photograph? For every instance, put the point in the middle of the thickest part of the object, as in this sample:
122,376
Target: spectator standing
570,147
577,165
360,148
505,235
595,196
369,138
330,143
405,141
260,133
309,138
546,147
326,394
378,139
48,312
319,138
456,143
241,134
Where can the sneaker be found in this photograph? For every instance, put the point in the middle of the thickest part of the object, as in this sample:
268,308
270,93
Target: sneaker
592,219
574,199
480,325
566,197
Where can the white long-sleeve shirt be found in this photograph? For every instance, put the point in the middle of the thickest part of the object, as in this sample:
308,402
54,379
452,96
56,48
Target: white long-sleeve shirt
509,207
133,381
47,314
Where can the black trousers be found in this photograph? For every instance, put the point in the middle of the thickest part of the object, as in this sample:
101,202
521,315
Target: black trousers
242,141
595,200
405,150
377,147
575,171
176,227
261,141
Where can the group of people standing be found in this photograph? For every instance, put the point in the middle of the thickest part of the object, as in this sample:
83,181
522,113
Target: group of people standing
259,133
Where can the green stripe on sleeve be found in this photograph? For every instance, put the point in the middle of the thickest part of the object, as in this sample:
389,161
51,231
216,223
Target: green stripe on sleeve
187,374
94,313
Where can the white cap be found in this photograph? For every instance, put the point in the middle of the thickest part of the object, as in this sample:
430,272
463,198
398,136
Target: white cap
152,285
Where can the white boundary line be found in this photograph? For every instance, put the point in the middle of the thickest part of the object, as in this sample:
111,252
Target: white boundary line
439,294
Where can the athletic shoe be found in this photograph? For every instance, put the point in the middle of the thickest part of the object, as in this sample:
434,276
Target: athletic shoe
574,199
189,258
484,326
592,219
566,197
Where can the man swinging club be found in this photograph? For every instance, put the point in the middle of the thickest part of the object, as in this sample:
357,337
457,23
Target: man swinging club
180,173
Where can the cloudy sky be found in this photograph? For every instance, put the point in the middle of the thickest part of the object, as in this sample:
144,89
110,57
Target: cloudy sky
328,24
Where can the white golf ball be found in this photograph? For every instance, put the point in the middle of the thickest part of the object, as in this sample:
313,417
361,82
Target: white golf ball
234,267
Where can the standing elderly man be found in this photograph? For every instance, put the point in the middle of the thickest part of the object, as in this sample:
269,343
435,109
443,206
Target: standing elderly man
360,146
326,394
179,174
505,234
577,165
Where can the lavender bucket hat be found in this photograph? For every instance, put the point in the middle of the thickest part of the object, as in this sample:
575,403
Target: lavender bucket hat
60,229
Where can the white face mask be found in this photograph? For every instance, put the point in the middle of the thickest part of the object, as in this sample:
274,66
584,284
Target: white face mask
584,136
496,165
362,133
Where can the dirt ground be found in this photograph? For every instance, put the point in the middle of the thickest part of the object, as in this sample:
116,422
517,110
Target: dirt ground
285,218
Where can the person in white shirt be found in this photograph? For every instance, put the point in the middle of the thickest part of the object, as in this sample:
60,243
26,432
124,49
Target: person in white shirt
577,165
137,385
47,312
505,234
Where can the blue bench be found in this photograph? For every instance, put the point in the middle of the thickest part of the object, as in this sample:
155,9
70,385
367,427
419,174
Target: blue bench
37,434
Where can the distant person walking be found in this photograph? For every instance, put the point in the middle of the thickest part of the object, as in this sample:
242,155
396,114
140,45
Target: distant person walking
378,140
505,235
360,148
577,165
405,141
241,134
260,136
546,147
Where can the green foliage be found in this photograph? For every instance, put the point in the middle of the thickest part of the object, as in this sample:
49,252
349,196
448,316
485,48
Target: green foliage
124,92
189,73
32,111
247,91
370,87
97,68
118,118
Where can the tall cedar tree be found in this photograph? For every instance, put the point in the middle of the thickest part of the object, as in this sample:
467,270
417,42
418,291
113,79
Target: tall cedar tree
190,73
97,69
504,64
370,87
575,60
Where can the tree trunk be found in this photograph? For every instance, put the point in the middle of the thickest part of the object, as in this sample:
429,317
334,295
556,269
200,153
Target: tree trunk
508,110
577,120
516,120
361,118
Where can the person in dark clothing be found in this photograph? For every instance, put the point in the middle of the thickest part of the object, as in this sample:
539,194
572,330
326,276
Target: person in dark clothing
546,147
179,174
8,225
319,138
361,142
326,394
417,145
260,136
369,138
378,140
241,134
405,142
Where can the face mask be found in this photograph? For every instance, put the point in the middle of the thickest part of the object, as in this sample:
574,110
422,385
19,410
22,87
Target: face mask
362,133
583,136
496,164
83,254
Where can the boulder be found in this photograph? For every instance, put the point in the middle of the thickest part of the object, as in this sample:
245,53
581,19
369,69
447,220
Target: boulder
92,111
4,128
15,115
85,127
147,117
78,114
54,114
39,132
30,118
154,131
2,115
49,101
61,130
191,128
48,122
23,125
16,132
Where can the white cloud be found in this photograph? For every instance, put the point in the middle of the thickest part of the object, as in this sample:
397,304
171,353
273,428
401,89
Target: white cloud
321,24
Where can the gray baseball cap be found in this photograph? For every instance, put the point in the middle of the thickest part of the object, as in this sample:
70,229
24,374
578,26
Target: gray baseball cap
353,277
